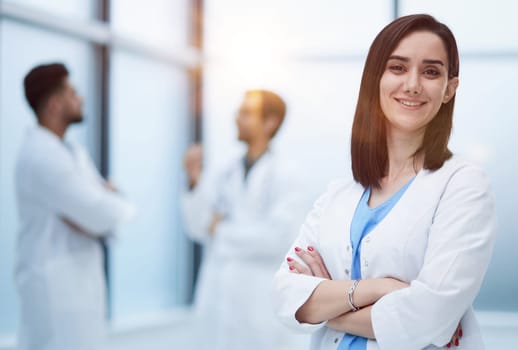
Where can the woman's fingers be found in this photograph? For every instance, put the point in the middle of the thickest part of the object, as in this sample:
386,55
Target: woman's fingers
309,260
315,254
297,267
314,262
455,339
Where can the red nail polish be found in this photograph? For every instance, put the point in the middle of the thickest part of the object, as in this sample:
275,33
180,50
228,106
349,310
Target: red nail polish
456,342
292,267
449,345
460,332
310,248
289,259
297,249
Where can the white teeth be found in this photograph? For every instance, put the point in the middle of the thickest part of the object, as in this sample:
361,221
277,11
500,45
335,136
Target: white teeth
410,104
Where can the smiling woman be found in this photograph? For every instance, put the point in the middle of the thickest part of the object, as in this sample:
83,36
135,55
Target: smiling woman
395,259
415,83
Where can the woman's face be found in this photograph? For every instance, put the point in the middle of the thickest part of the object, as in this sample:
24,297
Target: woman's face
415,83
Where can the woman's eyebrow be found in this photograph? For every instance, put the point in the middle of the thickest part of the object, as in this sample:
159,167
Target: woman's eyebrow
430,61
426,61
399,58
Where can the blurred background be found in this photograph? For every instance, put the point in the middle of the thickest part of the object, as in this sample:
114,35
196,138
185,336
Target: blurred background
158,75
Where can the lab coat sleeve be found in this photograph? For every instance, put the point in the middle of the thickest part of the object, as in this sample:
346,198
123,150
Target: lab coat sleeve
458,253
291,290
197,211
85,158
86,203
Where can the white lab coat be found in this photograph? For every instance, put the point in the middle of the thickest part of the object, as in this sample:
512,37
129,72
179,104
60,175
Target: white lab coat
262,216
59,271
438,237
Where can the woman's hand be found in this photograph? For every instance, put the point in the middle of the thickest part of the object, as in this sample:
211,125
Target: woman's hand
455,338
313,260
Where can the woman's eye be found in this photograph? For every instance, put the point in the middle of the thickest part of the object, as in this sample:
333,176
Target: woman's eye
432,72
396,68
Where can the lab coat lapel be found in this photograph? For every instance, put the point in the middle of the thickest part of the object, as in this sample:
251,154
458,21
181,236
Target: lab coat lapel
335,229
402,212
83,163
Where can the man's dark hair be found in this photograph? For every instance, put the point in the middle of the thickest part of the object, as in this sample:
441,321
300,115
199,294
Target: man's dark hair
42,82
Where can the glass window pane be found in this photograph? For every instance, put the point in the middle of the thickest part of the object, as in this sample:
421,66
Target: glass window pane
160,22
270,28
23,47
80,9
485,129
478,25
148,134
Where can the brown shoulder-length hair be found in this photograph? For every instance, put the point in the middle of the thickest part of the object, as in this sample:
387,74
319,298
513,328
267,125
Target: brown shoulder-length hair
369,154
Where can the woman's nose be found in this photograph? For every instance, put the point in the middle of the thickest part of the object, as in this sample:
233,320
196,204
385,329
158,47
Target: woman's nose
412,83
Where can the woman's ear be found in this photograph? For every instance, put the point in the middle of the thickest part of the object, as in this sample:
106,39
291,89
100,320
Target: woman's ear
451,89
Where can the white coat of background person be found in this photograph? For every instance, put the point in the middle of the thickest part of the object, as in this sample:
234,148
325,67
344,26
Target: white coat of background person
245,218
64,207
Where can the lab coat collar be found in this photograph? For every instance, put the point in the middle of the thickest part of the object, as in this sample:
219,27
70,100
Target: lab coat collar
260,166
46,133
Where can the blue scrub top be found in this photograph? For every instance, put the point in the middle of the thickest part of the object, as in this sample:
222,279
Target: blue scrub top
365,220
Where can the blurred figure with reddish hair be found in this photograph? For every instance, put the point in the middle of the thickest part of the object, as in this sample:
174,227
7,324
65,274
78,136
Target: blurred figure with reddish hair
245,219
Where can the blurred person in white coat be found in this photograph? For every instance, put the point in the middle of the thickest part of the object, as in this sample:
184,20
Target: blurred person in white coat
246,217
65,206
395,258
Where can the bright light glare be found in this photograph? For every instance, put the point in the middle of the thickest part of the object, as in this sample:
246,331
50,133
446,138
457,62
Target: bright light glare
258,57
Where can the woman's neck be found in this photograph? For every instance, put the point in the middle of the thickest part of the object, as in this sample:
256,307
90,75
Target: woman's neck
403,162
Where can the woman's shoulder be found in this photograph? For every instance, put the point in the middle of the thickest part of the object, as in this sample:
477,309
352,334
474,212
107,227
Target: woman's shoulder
341,184
337,190
339,187
461,164
461,171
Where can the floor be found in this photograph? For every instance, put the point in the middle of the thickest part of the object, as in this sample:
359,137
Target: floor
500,331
